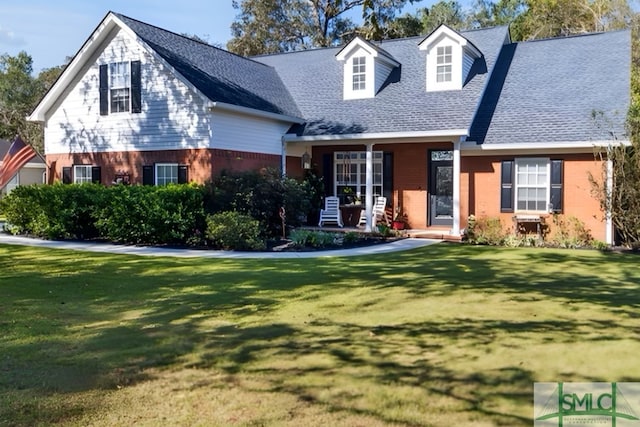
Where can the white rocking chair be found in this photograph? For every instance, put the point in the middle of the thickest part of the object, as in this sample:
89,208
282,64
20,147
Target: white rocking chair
331,212
378,213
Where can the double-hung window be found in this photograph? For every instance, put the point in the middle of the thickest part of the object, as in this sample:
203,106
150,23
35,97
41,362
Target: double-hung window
359,73
82,174
120,86
350,175
166,173
444,63
532,184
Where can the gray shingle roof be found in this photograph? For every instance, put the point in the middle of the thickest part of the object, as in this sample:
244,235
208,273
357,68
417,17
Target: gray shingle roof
547,90
315,80
218,74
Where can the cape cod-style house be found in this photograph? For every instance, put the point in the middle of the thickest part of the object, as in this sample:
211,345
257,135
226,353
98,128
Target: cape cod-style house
445,126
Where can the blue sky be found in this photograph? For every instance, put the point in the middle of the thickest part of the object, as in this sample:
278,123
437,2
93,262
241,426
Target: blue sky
51,30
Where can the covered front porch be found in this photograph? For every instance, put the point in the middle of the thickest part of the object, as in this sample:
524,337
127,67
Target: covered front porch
418,175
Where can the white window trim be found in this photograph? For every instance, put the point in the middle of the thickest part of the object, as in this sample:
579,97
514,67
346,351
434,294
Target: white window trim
155,172
444,63
522,160
378,158
125,84
361,62
76,168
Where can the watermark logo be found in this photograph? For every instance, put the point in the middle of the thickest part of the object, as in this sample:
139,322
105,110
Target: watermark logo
581,404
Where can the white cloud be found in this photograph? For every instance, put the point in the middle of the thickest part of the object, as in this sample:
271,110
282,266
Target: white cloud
9,38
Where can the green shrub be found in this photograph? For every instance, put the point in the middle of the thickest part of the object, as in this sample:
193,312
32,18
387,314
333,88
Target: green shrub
53,211
315,239
570,232
150,215
485,231
125,214
351,237
233,230
261,195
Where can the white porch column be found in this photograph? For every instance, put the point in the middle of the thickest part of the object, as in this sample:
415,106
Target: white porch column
368,199
609,188
455,229
283,160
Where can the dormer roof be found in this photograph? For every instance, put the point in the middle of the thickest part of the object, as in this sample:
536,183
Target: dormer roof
444,31
370,48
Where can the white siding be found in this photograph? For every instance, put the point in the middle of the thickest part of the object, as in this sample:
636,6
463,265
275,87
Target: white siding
233,131
173,115
382,72
467,63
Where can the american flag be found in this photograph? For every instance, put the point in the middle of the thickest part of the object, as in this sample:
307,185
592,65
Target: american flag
18,155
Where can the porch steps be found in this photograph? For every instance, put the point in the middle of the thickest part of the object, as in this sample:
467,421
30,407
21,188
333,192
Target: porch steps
434,233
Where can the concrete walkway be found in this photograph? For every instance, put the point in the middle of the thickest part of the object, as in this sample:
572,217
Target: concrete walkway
398,245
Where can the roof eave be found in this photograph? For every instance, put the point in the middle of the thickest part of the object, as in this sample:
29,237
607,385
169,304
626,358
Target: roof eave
98,35
446,134
471,148
216,105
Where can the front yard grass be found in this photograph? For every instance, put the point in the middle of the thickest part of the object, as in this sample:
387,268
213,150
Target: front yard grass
441,336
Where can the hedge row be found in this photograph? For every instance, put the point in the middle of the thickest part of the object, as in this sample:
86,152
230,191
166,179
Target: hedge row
123,214
172,214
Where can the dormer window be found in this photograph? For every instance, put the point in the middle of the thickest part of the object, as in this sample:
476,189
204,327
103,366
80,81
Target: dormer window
359,73
443,71
366,68
450,57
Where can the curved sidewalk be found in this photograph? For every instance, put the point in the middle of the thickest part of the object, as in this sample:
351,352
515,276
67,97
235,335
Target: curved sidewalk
396,246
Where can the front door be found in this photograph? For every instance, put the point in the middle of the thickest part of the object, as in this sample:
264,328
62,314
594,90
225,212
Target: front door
440,187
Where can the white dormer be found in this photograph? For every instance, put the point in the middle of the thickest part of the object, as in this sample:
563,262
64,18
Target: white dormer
450,57
366,68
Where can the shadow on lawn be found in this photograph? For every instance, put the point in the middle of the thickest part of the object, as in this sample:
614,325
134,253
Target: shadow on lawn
97,322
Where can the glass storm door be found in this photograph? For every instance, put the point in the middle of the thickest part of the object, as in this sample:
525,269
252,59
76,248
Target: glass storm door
440,187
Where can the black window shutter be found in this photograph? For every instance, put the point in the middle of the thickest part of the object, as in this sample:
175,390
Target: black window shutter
183,174
66,175
327,173
104,90
95,174
147,175
387,176
506,186
556,186
136,88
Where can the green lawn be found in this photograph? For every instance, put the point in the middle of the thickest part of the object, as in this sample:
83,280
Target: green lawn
445,335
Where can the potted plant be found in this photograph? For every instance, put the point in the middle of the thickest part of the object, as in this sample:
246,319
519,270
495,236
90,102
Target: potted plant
399,221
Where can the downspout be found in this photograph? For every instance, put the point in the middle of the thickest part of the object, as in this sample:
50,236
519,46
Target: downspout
609,192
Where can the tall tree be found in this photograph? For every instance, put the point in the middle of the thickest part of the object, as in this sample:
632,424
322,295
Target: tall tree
270,26
486,13
447,12
379,16
19,94
552,18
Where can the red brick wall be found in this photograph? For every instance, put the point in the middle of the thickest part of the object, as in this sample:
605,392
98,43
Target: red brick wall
203,163
480,190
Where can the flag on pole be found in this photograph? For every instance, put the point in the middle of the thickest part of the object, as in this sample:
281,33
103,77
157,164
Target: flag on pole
18,155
